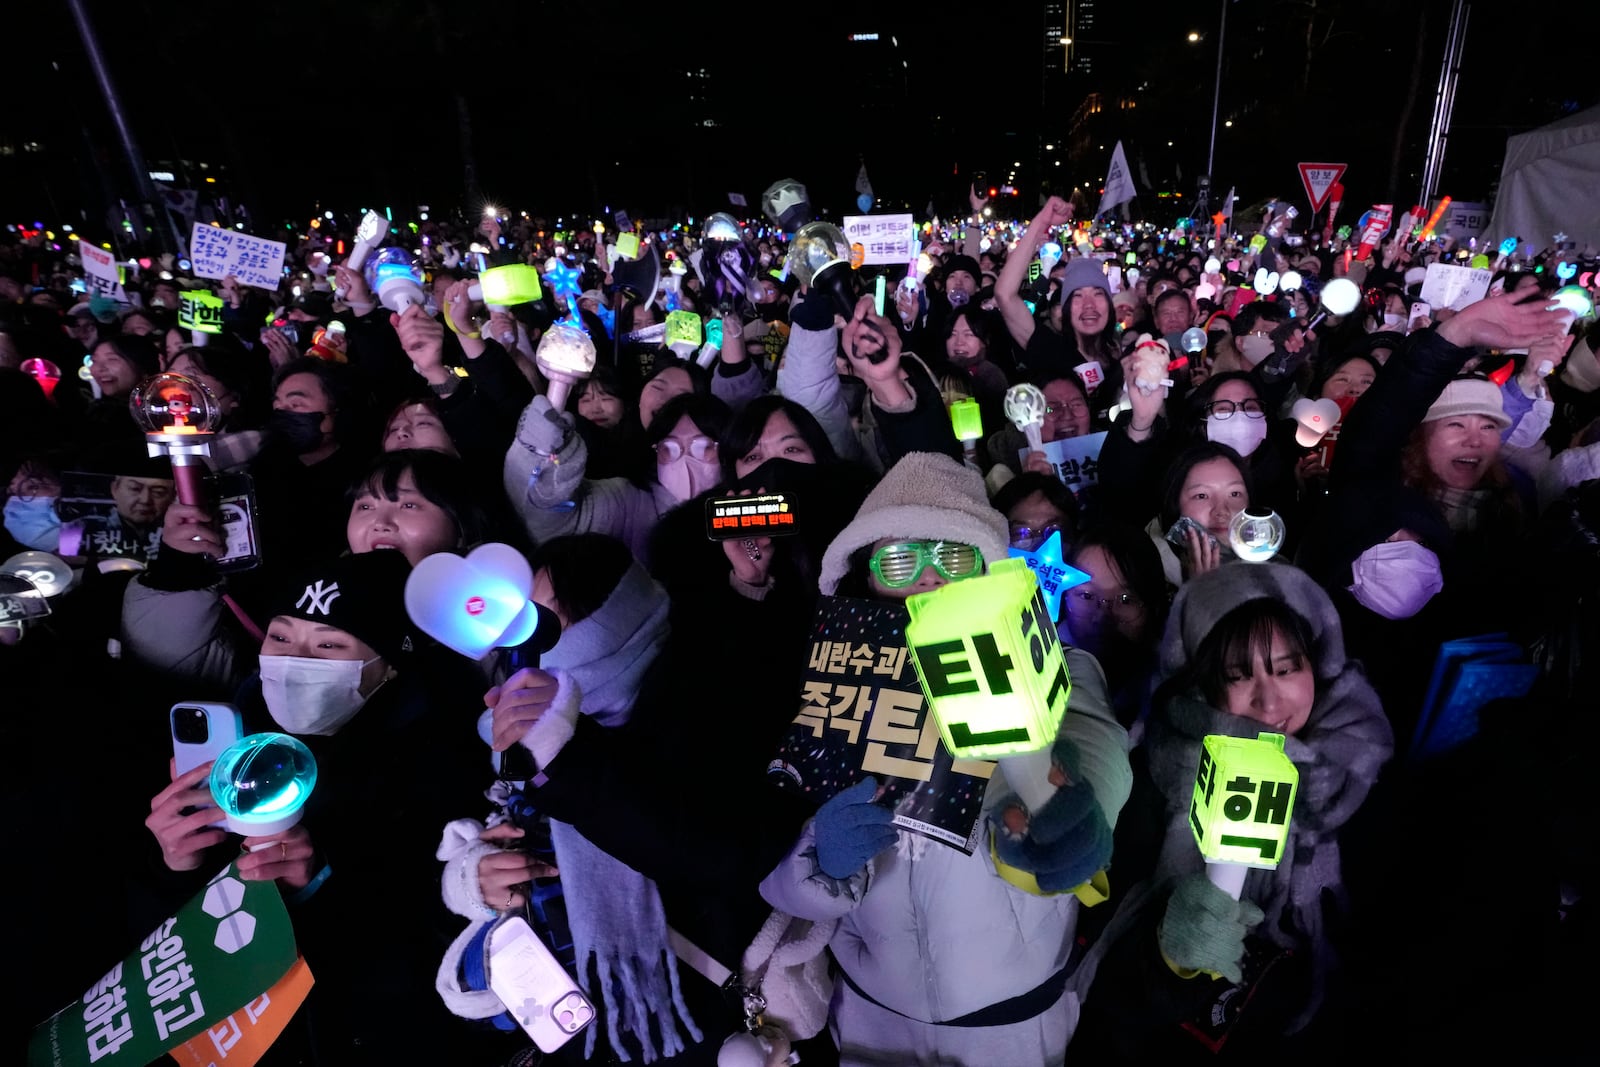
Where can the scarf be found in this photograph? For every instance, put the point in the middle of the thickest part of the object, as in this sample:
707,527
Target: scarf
608,652
1338,753
1464,510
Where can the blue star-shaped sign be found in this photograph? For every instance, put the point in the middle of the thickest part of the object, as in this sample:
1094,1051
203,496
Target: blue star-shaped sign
1055,577
563,280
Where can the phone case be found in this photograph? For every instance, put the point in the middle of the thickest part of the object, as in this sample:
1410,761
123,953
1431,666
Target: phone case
536,991
1178,536
224,726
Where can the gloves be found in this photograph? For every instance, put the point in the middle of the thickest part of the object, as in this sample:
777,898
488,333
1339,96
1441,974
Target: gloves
543,428
1066,842
1204,928
814,311
851,829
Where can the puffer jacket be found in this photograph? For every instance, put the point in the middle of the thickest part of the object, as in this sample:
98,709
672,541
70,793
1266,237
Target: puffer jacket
934,934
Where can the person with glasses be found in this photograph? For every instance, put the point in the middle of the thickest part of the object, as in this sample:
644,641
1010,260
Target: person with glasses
1118,615
942,960
1037,506
1068,413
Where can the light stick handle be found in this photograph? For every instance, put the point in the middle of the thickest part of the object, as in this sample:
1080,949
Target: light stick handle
1228,877
186,480
1035,434
558,391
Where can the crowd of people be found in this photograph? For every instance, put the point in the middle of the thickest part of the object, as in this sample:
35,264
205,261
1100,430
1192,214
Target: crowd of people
1426,901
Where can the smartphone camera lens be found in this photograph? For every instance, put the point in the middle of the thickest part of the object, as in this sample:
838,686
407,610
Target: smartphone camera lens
189,726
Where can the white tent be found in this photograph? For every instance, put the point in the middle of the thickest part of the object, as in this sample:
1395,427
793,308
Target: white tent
1550,183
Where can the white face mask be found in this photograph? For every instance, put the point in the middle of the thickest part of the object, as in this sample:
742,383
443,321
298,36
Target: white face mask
1254,348
686,477
1395,579
1391,321
1238,431
312,696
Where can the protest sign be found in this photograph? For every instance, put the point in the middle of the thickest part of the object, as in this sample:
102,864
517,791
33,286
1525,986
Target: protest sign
990,662
200,311
217,253
244,1037
214,956
1076,460
1247,821
883,238
1448,286
102,273
862,713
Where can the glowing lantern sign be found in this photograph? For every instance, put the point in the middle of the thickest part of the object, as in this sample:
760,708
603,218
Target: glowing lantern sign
200,312
990,662
966,419
1243,796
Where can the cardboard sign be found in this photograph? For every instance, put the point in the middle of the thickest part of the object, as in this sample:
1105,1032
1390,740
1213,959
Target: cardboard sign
683,327
628,246
102,273
1319,179
990,662
861,713
200,311
1448,286
217,253
883,238
243,1038
1243,796
216,954
1076,459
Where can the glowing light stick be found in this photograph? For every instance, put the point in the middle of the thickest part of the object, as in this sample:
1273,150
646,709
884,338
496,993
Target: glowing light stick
1243,798
1433,219
1025,407
261,783
47,572
1256,534
47,374
967,420
1566,269
565,356
1313,419
502,288
990,663
1339,297
179,417
395,276
1193,340
1055,576
1575,299
563,280
368,235
1290,281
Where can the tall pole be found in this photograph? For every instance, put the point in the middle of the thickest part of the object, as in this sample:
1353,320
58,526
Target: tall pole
1216,96
1444,101
130,148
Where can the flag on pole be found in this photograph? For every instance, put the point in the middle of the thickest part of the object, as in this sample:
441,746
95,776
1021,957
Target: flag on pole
1227,205
1119,183
863,185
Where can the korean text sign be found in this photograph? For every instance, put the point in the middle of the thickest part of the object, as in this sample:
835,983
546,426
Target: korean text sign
1076,460
862,713
883,238
200,311
990,662
1243,796
100,270
217,954
217,253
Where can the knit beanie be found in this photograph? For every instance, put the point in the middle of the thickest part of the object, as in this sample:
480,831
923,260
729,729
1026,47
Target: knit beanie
967,264
1083,274
1469,396
363,595
927,496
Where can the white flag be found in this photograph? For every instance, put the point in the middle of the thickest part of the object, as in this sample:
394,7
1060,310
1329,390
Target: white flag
1227,205
863,185
1119,183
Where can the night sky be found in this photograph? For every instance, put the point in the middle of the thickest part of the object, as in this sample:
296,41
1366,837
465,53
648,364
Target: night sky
573,107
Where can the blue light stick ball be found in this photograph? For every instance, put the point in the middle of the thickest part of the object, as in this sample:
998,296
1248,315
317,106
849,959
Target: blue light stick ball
262,783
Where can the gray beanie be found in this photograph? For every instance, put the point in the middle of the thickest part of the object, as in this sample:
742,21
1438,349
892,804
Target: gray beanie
1084,274
926,496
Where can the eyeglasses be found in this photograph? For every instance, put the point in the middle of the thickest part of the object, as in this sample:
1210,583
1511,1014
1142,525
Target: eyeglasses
900,564
1224,409
1087,600
1027,538
1077,407
670,449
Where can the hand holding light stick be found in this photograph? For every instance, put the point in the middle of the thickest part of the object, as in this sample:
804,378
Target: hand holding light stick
1243,796
179,416
565,356
1025,407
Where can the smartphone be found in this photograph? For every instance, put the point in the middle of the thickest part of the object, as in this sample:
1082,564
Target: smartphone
1178,536
202,731
769,515
1419,310
236,521
536,990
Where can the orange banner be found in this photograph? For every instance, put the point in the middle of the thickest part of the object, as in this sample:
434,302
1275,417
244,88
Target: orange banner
243,1038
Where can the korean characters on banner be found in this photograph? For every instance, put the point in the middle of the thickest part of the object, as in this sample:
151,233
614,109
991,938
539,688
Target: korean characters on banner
1243,796
243,1038
862,713
217,253
883,238
200,311
101,272
218,952
1076,460
990,662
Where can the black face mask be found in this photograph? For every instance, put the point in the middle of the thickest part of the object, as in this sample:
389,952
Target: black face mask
777,311
301,431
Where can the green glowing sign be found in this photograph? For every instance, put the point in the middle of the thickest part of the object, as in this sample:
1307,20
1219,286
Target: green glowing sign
200,311
1243,797
508,286
628,245
966,419
683,327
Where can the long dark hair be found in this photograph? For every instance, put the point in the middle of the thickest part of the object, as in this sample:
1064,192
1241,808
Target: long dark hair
1134,555
584,570
1241,636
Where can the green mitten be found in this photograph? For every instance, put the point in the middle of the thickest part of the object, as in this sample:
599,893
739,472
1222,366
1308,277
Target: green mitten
1204,928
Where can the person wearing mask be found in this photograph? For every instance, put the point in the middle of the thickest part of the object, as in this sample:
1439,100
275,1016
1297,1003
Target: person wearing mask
1119,614
992,958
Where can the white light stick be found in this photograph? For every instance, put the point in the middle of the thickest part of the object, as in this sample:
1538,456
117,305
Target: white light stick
566,356
368,235
1339,297
1025,407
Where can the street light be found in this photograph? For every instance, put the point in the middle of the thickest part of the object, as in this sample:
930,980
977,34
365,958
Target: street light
1228,123
1193,37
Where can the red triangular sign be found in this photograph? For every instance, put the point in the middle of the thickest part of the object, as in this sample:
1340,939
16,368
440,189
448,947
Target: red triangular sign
1318,178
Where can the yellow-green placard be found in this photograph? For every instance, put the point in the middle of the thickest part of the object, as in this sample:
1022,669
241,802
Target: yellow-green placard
1258,242
1243,797
990,662
683,327
628,245
200,311
510,285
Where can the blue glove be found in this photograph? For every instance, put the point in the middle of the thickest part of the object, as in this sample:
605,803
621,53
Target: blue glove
1066,842
1204,928
851,829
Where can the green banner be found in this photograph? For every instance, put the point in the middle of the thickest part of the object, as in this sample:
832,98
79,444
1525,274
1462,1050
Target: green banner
213,957
200,311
